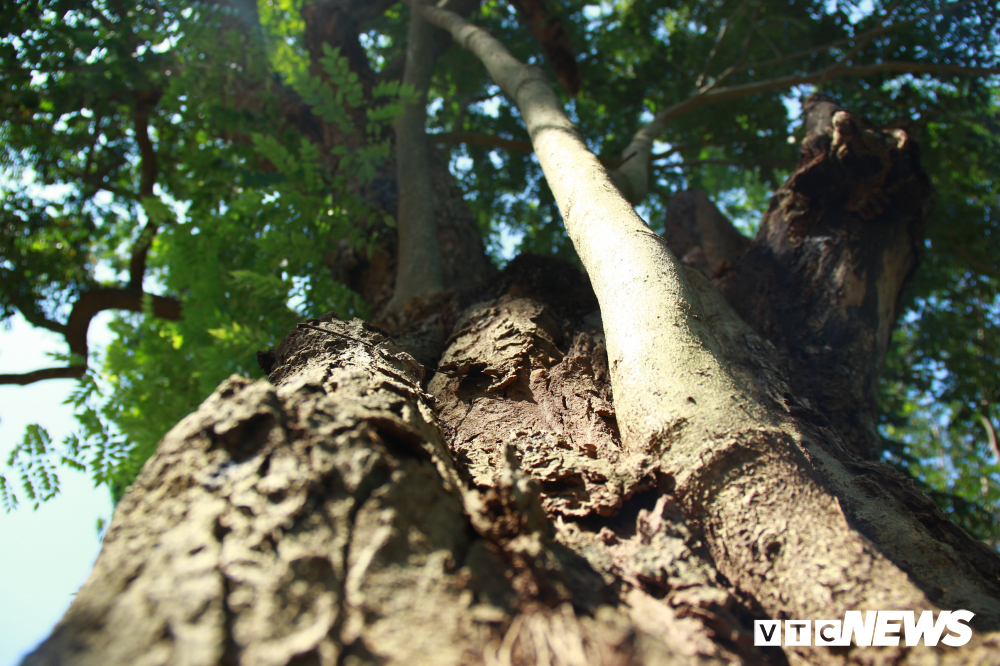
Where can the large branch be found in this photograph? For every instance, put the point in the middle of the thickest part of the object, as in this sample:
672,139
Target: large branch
632,178
23,379
547,27
87,306
95,301
418,262
622,257
145,103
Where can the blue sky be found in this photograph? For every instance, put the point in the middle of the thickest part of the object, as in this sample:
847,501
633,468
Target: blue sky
45,555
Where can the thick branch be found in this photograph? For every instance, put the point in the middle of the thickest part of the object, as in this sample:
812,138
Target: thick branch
145,102
23,379
87,306
623,258
418,264
633,177
838,244
677,396
98,300
549,31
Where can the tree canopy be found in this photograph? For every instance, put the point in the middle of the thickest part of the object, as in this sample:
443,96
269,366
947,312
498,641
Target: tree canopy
215,172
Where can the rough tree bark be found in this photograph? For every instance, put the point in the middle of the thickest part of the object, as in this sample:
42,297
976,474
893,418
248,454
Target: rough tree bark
625,474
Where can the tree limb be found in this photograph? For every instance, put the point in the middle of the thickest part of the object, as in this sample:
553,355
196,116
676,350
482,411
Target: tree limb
548,29
675,393
419,272
87,306
23,379
633,178
145,102
92,302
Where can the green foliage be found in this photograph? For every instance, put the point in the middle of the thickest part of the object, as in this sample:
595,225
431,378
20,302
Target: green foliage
35,466
248,212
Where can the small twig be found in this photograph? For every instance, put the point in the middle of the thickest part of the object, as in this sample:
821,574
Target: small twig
767,40
728,21
744,50
777,164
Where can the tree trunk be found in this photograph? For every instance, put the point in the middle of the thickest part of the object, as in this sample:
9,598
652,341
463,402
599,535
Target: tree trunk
625,474
339,511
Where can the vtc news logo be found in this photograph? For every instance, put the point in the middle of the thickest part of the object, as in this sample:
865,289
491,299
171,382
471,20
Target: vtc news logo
878,628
